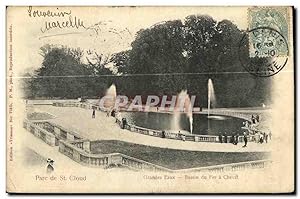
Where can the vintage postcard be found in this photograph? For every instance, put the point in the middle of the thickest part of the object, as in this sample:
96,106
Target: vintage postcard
150,99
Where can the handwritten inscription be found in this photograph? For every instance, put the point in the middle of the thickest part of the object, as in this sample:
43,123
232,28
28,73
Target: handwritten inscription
48,13
71,23
64,19
61,21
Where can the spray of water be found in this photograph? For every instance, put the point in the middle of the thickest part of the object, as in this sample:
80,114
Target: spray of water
176,120
111,93
189,111
183,104
211,98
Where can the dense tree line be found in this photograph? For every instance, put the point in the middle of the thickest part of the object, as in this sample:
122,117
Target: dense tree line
163,60
64,75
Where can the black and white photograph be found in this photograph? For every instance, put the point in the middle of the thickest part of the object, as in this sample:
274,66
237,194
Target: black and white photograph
150,99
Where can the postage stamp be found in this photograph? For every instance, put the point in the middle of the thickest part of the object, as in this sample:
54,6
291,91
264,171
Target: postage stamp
262,44
264,49
272,17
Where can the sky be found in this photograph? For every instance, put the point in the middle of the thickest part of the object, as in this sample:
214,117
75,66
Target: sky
106,30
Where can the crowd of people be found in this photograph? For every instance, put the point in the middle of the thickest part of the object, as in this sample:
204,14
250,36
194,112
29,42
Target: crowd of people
258,136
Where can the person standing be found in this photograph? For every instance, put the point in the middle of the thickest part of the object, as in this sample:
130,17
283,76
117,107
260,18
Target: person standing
220,138
225,137
257,118
183,137
261,138
232,138
236,139
113,113
94,113
50,167
245,139
124,123
253,119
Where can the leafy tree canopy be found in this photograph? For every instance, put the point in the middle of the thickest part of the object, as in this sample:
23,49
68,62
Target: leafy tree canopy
163,60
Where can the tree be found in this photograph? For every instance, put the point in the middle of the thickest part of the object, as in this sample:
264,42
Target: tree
164,59
176,55
101,75
121,61
62,73
97,63
155,52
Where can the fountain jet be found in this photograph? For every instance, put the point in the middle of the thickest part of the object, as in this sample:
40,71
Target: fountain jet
211,98
111,95
183,103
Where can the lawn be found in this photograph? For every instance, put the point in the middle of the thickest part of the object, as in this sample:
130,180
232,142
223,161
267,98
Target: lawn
173,158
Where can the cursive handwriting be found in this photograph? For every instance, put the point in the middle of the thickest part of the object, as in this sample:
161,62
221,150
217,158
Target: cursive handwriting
48,13
70,23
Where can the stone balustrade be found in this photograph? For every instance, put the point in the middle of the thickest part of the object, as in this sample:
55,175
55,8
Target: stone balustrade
73,145
104,160
118,159
230,113
173,135
39,132
83,156
137,164
241,166
64,134
79,151
50,132
168,135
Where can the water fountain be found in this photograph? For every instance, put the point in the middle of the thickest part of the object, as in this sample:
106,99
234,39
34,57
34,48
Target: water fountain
183,103
176,121
176,115
211,98
110,95
189,111
182,117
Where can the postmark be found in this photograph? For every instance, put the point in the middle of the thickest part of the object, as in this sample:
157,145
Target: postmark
263,51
